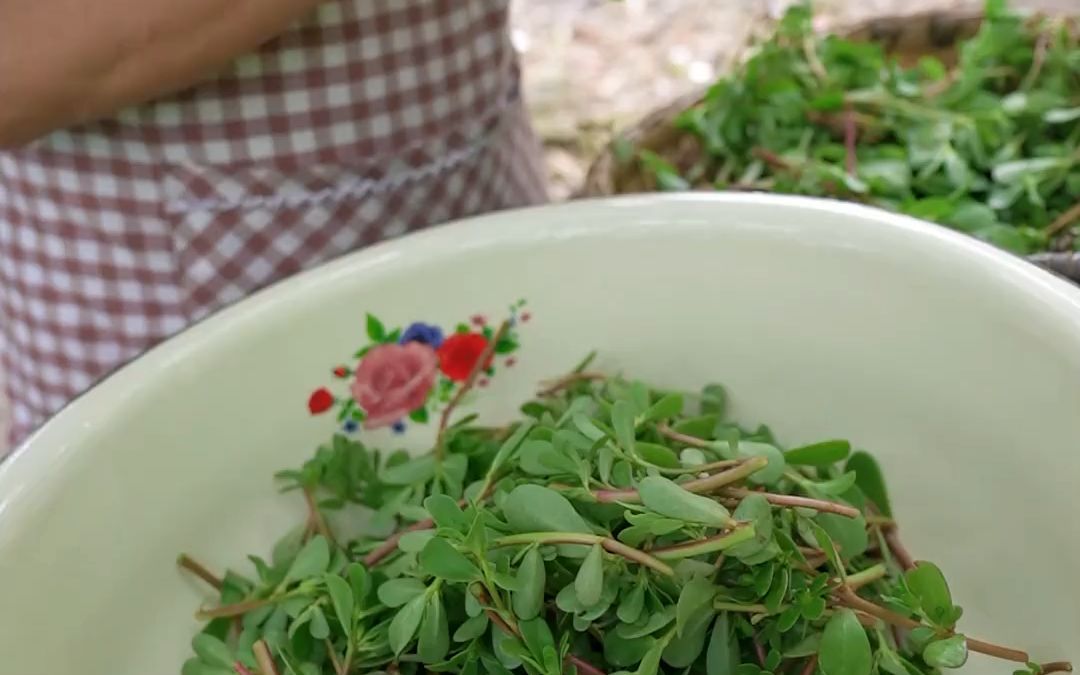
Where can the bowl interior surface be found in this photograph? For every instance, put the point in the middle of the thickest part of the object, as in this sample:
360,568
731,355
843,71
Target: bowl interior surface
957,365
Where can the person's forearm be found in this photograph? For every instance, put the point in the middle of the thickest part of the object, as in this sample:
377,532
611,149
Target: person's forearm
63,62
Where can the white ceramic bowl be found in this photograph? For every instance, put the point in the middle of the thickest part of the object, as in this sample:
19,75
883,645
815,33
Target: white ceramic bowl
957,364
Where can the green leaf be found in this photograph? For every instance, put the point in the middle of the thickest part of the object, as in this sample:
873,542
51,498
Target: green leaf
440,559
845,648
778,590
667,407
650,625
699,427
197,667
754,509
667,177
948,653
446,513
658,455
318,626
532,457
669,499
473,628
622,421
589,582
650,663
1009,172
848,533
510,446
397,592
623,653
695,600
722,656
633,601
375,330
825,453
313,559
359,581
869,479
412,472
836,486
535,508
684,648
825,542
528,598
1062,115
406,622
772,471
928,584
537,636
415,541
434,641
212,651
713,400
341,596
890,662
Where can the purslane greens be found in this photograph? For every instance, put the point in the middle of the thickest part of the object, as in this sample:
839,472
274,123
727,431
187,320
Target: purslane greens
613,528
990,147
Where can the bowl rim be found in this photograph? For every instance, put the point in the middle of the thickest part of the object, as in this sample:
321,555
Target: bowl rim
19,466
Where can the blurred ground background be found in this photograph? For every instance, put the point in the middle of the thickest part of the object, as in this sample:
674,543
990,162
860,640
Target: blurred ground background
595,66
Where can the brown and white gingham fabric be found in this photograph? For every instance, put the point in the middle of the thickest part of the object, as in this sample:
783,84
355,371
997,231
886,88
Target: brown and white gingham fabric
372,119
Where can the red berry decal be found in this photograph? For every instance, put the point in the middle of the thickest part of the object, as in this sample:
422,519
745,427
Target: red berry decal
320,401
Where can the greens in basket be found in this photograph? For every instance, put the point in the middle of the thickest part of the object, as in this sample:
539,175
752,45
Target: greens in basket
990,147
613,528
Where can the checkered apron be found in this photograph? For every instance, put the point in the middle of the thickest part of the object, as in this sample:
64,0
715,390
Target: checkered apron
369,120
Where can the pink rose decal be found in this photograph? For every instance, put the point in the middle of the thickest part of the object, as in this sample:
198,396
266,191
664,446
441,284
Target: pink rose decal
392,380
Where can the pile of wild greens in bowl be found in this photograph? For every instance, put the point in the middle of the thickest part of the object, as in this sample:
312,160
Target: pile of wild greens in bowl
612,528
989,146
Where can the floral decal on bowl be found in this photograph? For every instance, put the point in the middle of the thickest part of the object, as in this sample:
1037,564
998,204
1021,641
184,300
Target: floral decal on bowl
410,373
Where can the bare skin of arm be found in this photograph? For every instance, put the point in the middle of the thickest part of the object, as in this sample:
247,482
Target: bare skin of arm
65,62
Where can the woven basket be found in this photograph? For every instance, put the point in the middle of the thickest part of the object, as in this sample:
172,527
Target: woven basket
907,38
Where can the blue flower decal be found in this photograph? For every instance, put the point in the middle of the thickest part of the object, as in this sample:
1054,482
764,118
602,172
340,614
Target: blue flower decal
424,334
399,427
350,426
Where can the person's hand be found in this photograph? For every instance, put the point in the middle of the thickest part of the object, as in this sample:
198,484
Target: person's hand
65,62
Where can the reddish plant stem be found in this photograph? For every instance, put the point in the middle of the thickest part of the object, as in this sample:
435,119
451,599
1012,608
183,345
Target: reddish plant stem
241,669
196,568
774,160
1055,667
235,609
850,135
685,439
850,599
1067,218
608,544
315,517
466,386
263,658
811,664
795,501
1038,59
555,386
896,547
743,469
387,547
338,668
760,651
583,667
